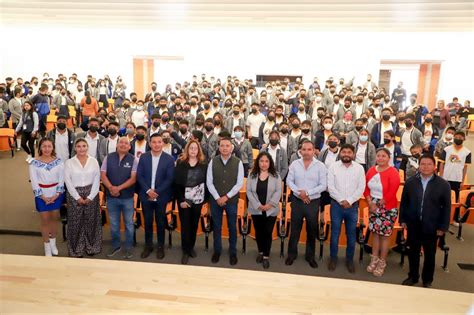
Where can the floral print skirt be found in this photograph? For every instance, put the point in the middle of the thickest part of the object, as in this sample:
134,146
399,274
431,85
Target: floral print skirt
382,220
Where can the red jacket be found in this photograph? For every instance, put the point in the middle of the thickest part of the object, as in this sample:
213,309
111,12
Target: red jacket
390,183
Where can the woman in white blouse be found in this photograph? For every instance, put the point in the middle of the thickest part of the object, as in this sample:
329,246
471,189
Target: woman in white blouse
82,178
47,181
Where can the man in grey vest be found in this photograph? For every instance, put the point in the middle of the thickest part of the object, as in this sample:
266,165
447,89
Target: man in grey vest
119,174
225,178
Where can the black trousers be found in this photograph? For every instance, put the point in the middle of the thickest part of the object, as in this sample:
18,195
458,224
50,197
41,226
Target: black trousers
300,211
415,240
264,232
154,211
28,143
456,186
189,218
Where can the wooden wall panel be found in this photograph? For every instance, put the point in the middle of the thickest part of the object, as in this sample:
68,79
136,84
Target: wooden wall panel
138,77
421,83
434,84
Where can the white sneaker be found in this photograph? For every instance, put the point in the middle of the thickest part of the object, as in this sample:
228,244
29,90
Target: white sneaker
54,249
455,223
29,159
47,250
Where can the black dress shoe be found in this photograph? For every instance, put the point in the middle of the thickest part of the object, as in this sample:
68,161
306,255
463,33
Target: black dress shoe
215,258
312,263
350,266
192,253
409,281
160,253
427,284
266,263
259,258
184,259
289,261
146,252
233,260
332,264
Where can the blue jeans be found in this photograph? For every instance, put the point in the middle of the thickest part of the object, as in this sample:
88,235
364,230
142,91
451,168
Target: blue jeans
116,206
216,216
338,213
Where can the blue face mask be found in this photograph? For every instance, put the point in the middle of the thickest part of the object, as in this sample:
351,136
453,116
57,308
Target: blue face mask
238,134
363,138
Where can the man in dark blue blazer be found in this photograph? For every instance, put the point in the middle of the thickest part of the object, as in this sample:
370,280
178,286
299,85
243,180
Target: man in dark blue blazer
155,174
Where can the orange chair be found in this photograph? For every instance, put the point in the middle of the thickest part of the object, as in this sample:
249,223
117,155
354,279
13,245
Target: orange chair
7,142
463,201
51,121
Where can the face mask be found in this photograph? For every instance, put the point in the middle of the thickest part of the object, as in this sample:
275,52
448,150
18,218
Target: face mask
199,123
134,99
217,122
209,128
254,110
320,115
416,156
301,108
236,112
112,118
363,138
139,107
305,130
284,131
183,130
449,136
409,124
178,119
129,131
429,120
332,144
61,126
193,103
271,118
458,141
318,99
156,124
386,117
207,106
165,119
112,131
166,140
274,142
140,137
227,104
238,134
387,141
328,126
296,126
93,128
358,128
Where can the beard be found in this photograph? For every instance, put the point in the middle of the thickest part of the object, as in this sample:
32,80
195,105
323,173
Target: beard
346,159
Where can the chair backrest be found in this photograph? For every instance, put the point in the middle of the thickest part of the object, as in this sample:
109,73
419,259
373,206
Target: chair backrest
6,138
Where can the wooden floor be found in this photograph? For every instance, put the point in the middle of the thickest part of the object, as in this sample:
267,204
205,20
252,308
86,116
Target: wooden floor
58,285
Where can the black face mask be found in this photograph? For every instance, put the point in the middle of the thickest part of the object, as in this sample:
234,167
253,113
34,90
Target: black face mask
112,118
284,131
207,106
140,137
254,110
183,130
458,141
134,99
305,130
236,112
61,126
271,118
387,141
166,140
165,119
358,128
178,119
209,128
156,124
386,117
228,104
112,131
429,120
408,124
217,122
332,144
93,128
296,126
199,123
274,142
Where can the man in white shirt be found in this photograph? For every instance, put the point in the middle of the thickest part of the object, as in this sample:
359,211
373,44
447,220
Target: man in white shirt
113,138
61,139
254,121
140,116
346,183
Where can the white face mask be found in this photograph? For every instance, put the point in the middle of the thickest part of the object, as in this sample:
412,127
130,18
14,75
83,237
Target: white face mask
328,126
139,107
318,99
449,137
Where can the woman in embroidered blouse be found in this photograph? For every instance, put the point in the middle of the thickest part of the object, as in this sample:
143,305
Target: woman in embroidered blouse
382,181
47,181
82,178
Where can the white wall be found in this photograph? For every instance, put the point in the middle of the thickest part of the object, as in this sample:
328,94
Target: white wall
241,53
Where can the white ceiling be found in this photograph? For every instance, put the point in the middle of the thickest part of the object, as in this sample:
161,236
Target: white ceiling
314,15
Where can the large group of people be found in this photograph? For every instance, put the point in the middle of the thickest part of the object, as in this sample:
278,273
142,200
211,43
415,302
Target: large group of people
331,143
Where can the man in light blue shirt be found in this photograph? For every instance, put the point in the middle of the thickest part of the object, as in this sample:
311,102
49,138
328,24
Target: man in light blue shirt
307,179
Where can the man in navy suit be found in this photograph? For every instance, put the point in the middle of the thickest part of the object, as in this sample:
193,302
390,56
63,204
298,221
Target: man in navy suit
155,177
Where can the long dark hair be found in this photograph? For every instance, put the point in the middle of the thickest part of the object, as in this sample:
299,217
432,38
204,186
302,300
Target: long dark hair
31,111
256,167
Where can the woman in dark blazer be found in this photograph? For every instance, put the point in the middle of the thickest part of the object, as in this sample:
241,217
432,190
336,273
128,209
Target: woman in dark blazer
264,189
191,193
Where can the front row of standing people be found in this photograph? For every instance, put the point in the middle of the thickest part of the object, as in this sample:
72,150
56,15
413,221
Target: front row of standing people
424,209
